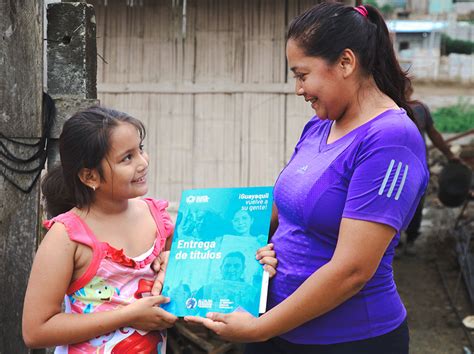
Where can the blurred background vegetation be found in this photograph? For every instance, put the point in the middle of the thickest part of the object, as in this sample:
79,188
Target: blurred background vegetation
456,118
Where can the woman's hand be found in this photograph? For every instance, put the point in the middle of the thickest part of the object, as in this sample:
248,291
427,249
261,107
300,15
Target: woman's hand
266,256
234,327
159,266
145,314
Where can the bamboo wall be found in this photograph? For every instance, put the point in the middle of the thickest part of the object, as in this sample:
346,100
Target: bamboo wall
212,87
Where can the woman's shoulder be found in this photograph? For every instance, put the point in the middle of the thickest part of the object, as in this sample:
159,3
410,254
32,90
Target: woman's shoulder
392,133
315,121
393,128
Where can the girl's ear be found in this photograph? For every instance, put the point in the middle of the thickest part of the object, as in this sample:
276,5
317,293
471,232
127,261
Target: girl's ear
90,177
347,62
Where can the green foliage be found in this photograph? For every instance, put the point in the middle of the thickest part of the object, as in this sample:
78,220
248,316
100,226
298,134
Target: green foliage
387,9
450,45
454,119
372,3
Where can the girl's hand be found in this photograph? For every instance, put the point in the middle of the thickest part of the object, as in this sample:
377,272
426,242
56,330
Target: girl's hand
266,256
234,327
145,314
159,266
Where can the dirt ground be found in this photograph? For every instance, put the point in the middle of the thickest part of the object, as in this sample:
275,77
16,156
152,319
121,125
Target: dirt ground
441,95
434,326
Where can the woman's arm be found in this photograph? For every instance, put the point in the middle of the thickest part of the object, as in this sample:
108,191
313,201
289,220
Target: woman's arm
438,141
43,322
359,249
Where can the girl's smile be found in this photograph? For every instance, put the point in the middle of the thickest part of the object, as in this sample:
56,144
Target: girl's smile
140,180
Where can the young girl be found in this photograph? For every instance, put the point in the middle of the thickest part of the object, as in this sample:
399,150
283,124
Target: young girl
100,244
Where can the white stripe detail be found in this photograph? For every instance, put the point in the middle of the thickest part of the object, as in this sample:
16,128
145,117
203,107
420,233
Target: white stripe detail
405,173
394,181
387,175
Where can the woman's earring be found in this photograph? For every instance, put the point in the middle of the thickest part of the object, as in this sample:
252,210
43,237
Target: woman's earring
93,188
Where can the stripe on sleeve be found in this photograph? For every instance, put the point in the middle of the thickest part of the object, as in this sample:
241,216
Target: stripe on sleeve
387,175
394,181
405,173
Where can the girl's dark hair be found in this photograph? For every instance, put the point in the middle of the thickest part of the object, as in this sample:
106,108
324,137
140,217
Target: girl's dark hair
84,143
328,28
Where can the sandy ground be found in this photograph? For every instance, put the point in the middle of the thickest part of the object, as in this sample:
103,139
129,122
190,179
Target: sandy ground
434,326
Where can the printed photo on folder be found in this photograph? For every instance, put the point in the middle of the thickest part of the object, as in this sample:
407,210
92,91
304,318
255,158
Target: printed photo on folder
212,265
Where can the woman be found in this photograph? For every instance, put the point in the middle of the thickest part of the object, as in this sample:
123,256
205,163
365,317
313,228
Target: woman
352,184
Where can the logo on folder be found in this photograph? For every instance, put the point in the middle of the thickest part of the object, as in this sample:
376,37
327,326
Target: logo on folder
191,303
197,199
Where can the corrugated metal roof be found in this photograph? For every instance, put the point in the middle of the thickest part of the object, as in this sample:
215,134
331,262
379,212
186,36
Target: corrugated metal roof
409,26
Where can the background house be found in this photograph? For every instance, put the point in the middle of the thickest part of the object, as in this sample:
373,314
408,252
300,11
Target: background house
418,44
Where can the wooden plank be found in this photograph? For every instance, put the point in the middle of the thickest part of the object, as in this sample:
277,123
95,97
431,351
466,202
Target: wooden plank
194,338
172,128
296,7
263,134
218,43
264,41
147,43
216,162
218,87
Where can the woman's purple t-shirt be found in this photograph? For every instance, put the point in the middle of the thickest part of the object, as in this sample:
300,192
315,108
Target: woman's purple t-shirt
376,173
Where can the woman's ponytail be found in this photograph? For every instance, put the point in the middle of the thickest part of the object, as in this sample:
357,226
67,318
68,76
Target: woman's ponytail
386,71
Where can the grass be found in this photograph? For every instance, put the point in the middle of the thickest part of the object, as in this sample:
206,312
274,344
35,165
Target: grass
454,119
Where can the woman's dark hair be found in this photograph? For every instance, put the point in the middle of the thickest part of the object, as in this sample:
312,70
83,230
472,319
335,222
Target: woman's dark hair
328,28
84,143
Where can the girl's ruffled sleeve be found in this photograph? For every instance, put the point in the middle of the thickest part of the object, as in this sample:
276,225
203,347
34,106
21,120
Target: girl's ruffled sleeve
167,222
158,207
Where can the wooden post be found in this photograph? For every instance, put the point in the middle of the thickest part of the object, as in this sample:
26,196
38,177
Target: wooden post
71,62
72,83
21,89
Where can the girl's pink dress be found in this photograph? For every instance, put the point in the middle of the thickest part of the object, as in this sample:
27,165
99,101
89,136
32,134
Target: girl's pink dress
112,280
